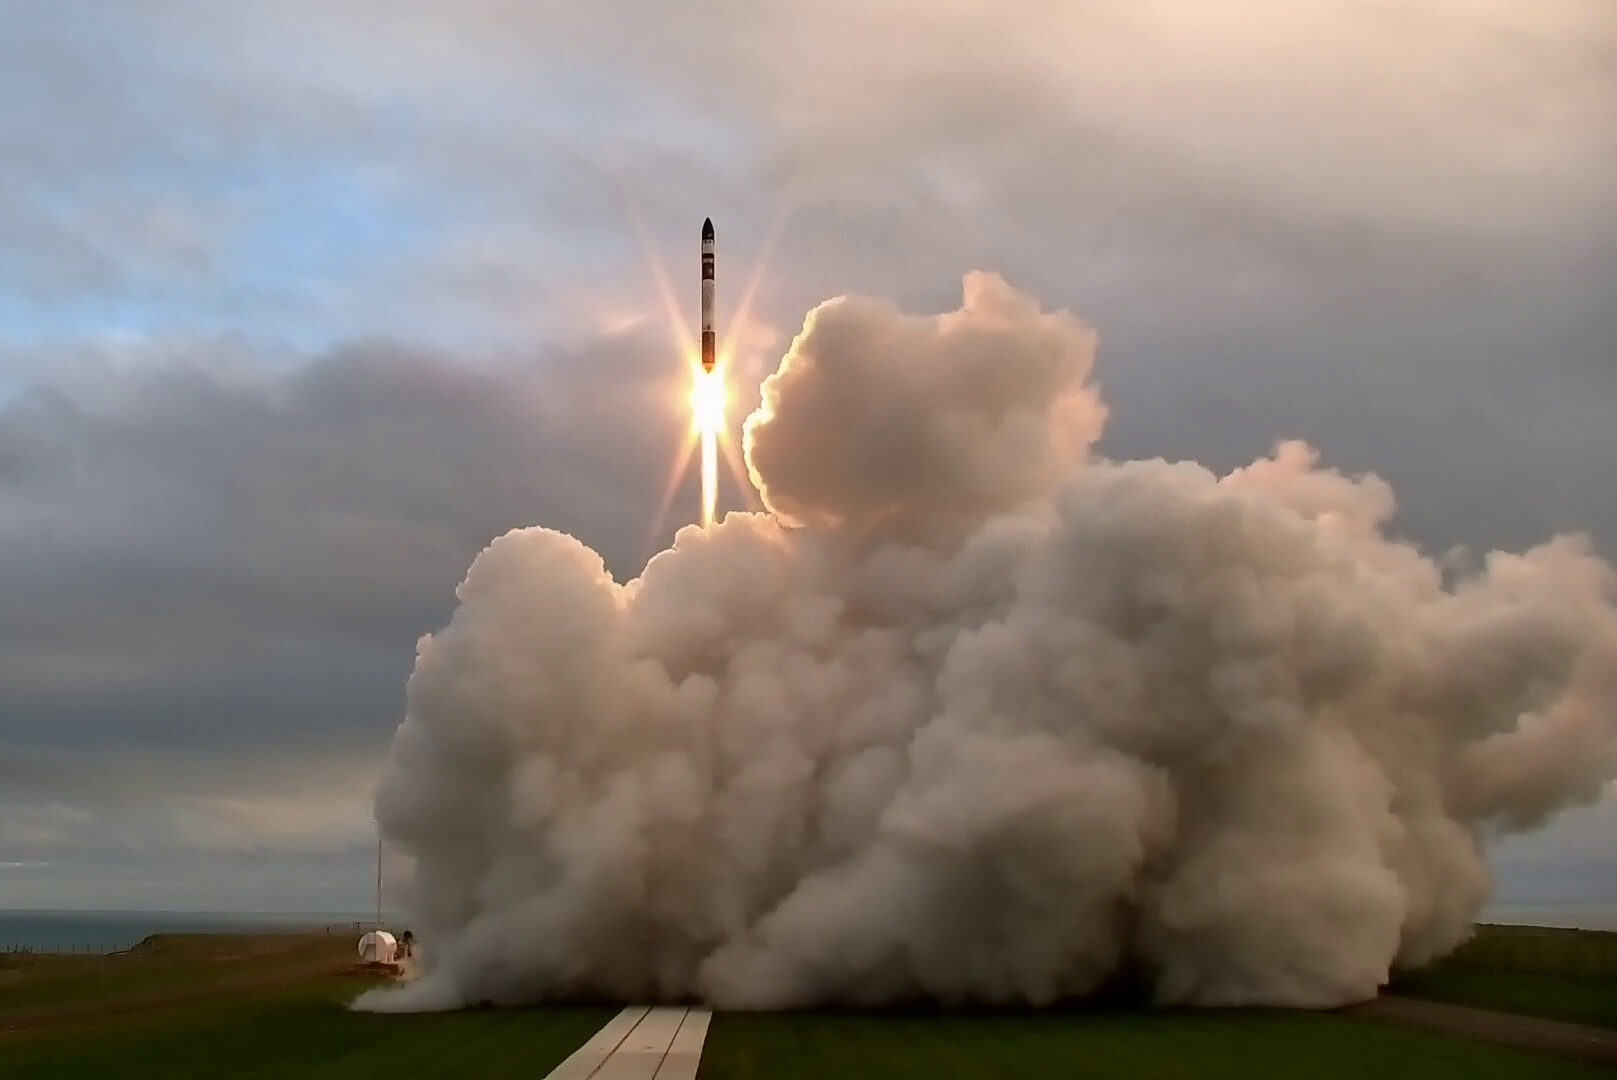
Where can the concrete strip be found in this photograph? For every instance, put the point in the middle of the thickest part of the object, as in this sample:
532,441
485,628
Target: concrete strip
685,1054
639,1056
584,1062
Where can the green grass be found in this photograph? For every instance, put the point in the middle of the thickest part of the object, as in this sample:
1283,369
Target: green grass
1234,1044
162,962
276,1007
1550,950
302,1030
1557,974
1555,997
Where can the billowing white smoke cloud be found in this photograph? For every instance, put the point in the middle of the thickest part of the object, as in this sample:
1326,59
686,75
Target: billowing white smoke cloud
994,722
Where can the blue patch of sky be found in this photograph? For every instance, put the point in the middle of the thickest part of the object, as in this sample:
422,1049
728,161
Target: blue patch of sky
310,240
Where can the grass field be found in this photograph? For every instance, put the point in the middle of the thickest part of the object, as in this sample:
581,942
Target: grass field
1239,1045
302,1030
1548,949
161,961
275,1007
1559,974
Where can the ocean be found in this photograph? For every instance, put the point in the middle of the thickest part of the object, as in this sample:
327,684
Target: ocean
110,931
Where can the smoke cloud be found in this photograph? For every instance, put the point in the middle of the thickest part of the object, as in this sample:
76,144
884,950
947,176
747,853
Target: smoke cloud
976,716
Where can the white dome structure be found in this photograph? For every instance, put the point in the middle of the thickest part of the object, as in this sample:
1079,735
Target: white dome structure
378,947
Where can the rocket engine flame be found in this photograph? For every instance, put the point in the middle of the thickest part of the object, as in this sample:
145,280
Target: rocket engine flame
996,721
708,397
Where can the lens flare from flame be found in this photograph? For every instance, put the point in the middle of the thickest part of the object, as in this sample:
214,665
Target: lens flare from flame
709,394
707,421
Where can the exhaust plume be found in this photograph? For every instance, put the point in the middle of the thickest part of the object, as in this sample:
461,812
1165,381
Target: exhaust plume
974,716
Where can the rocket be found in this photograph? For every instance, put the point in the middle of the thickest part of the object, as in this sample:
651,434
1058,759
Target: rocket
709,342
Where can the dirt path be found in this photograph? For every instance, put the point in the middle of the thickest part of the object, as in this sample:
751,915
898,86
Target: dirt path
69,1012
1592,1044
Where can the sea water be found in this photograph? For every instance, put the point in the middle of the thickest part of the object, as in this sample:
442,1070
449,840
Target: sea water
110,931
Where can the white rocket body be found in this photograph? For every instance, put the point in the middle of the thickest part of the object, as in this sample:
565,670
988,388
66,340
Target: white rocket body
709,341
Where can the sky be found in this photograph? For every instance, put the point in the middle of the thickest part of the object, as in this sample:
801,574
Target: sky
301,304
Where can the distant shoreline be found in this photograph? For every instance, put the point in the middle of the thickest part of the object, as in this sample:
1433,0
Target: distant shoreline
110,931
1579,915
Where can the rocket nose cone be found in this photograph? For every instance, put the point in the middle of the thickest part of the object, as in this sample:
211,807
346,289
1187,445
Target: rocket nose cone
707,228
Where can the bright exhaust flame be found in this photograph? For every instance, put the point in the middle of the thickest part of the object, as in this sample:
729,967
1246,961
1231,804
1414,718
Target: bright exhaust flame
707,421
707,403
710,477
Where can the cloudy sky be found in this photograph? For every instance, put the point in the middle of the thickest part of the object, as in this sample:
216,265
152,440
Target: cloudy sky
302,303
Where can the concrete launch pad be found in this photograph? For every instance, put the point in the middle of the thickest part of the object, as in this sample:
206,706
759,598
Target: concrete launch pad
662,1042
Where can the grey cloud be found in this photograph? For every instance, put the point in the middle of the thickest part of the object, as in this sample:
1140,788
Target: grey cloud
117,822
1087,138
1575,860
209,564
1385,228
